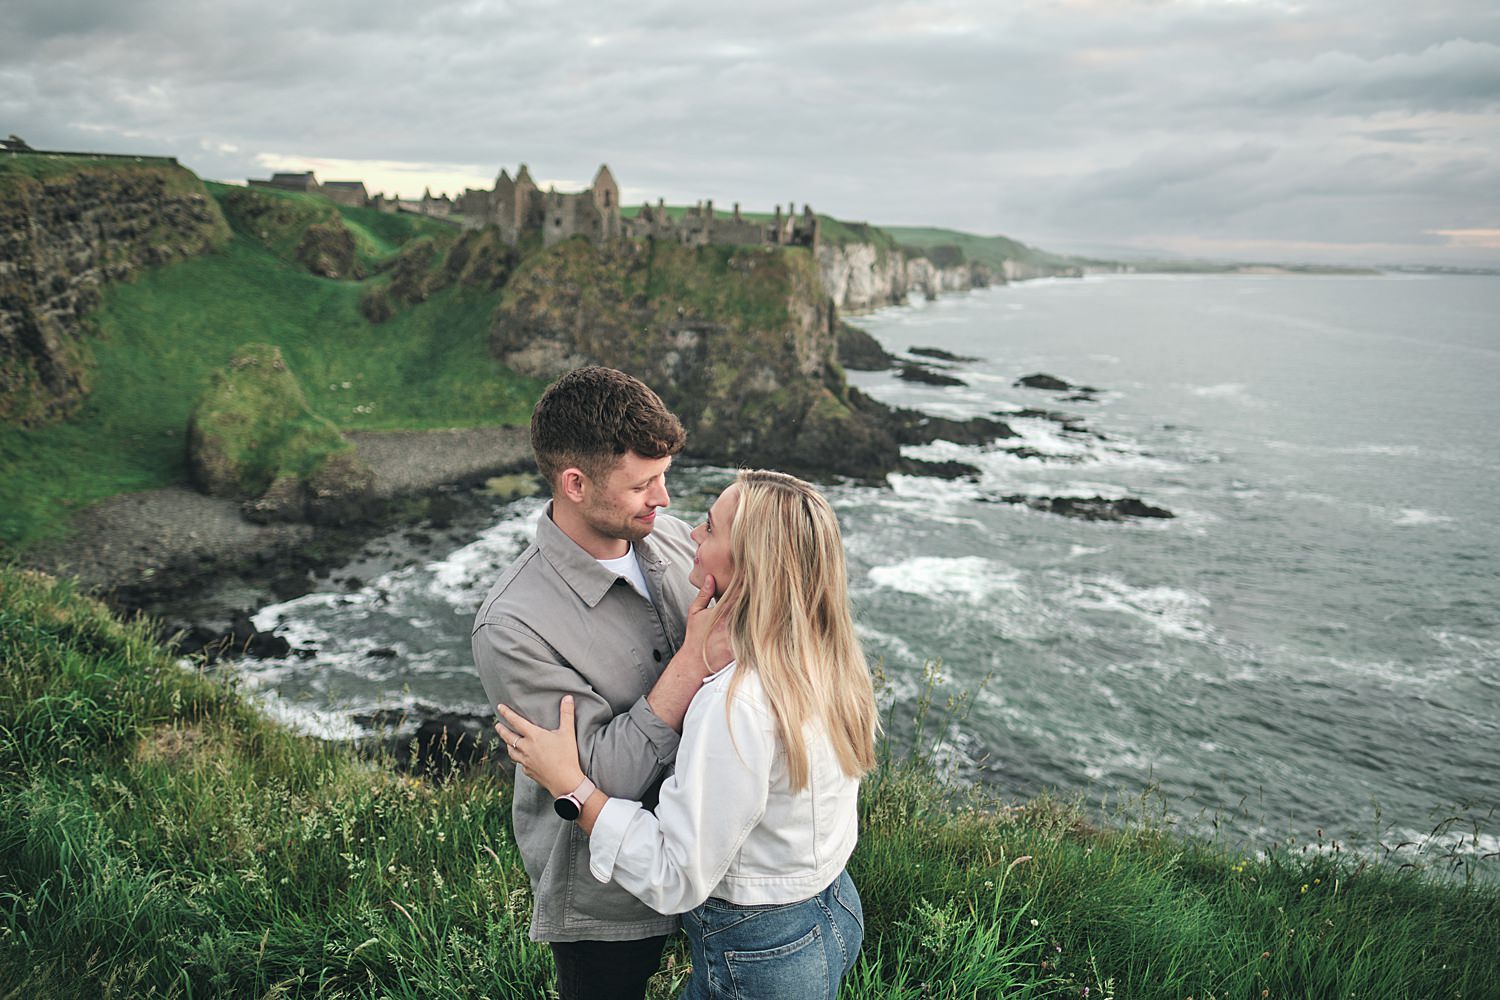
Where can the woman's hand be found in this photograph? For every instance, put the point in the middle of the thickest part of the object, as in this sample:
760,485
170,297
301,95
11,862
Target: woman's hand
549,756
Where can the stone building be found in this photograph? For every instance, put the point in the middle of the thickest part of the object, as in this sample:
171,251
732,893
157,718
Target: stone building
351,193
439,208
518,206
304,182
701,225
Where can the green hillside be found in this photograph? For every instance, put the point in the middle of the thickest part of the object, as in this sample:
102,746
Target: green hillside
160,337
991,250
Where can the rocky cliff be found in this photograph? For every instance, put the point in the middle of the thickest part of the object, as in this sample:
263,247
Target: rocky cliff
863,276
739,341
68,226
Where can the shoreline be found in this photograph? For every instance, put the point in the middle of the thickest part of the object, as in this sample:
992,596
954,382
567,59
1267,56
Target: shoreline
150,551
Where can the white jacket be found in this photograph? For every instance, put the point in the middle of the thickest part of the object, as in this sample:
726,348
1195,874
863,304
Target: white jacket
728,824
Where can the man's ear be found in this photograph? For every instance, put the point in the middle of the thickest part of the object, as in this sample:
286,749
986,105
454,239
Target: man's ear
571,484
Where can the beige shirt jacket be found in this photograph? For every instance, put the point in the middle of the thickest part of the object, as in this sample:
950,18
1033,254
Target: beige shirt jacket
556,623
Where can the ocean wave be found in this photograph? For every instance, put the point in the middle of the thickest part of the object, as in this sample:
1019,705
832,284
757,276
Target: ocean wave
1234,392
1171,612
1414,516
971,578
1389,450
464,576
1458,642
1404,517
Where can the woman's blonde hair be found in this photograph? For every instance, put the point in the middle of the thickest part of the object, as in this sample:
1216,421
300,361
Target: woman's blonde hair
787,609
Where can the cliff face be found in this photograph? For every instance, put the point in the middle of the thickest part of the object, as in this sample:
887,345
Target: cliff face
739,341
862,276
66,231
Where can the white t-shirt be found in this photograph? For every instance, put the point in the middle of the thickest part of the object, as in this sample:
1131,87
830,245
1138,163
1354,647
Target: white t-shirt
629,567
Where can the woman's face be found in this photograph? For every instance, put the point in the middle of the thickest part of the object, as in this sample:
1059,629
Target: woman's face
712,537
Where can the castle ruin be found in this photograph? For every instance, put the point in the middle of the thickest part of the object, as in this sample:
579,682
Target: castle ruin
519,208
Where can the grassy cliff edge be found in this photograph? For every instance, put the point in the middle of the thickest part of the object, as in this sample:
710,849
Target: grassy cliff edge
159,837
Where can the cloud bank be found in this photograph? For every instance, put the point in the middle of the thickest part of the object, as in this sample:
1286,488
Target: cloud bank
1335,131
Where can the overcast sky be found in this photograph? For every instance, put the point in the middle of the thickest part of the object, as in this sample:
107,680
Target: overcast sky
1351,130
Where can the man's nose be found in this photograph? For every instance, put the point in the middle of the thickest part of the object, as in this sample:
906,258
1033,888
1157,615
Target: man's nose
658,496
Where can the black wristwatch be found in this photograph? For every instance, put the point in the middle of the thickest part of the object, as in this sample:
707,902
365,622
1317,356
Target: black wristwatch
570,806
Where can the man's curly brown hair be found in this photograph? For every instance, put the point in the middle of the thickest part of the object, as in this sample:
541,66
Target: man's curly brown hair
590,417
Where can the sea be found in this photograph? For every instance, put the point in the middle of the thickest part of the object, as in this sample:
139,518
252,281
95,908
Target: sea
1307,651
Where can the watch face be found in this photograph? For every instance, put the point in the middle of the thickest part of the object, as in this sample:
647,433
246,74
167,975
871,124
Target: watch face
566,807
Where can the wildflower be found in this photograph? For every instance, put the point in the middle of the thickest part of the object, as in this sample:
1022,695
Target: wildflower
1035,922
1304,886
1265,954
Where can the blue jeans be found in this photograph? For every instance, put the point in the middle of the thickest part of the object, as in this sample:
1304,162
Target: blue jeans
785,951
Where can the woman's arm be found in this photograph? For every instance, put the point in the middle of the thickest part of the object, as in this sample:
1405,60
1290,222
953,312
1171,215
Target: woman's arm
674,859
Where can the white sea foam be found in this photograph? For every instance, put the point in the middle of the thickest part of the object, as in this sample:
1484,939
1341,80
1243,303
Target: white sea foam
1171,612
972,578
1413,516
1233,392
462,577
1368,448
1466,645
308,721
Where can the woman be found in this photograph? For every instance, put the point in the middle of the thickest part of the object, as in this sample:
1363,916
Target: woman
751,835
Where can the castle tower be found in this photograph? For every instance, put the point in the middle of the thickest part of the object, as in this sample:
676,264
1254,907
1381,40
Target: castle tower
606,194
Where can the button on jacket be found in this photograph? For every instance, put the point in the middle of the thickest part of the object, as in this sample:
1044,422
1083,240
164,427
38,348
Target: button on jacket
556,623
728,824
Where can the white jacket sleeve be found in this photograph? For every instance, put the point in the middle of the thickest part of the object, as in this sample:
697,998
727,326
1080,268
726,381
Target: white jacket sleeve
672,861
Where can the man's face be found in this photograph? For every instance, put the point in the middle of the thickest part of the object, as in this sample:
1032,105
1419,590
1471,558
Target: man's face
624,504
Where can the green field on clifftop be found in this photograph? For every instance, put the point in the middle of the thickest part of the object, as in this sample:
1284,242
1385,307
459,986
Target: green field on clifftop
991,250
160,337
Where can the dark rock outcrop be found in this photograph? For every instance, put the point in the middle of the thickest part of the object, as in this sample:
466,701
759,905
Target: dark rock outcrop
1051,383
939,354
327,250
242,638
860,352
912,372
1089,508
1042,381
915,427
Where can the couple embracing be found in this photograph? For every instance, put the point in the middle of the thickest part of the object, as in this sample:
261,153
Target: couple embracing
689,709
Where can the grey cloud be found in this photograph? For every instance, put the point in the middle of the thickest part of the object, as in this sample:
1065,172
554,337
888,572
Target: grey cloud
1082,119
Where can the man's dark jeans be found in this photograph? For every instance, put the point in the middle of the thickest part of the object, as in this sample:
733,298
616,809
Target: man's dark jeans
606,970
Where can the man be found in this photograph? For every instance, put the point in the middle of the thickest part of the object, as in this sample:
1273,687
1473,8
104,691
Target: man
596,607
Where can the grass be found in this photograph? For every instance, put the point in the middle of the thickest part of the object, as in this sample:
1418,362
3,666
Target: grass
159,838
253,425
41,166
831,231
160,339
991,250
